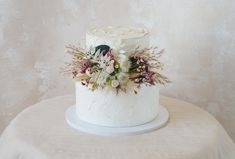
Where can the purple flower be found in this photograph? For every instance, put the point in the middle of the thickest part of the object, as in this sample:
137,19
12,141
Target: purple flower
85,65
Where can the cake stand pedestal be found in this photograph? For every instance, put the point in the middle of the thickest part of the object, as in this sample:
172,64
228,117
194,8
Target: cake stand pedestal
78,124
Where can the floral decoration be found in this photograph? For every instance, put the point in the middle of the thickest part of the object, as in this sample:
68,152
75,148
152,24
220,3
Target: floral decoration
102,67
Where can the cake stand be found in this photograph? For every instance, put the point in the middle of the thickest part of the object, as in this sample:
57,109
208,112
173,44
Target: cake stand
80,125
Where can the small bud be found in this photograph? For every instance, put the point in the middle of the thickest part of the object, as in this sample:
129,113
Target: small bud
115,83
90,86
116,66
88,72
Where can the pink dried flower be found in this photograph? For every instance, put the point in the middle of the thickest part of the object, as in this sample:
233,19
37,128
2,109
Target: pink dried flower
109,54
149,77
85,65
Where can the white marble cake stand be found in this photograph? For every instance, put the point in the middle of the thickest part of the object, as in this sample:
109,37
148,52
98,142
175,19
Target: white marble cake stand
78,124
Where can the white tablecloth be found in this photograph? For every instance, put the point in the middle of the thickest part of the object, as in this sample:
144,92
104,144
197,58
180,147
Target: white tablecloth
40,132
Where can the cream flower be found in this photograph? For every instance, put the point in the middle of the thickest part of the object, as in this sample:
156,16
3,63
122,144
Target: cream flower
91,86
88,72
114,83
110,69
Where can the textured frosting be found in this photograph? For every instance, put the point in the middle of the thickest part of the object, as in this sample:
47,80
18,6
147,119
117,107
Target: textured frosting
119,38
109,109
118,32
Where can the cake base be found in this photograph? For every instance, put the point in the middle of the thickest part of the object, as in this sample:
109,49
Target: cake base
80,125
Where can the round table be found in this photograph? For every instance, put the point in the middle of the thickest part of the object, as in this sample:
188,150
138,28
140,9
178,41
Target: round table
41,132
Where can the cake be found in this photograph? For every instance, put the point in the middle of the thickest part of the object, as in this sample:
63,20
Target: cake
117,78
109,109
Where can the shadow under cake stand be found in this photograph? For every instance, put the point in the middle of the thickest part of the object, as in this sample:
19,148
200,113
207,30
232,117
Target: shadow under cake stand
80,125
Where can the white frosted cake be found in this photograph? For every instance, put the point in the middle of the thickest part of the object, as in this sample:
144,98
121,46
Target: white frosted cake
120,38
117,78
110,109
107,108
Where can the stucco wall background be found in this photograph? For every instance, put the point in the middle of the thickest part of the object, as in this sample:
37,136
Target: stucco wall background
198,36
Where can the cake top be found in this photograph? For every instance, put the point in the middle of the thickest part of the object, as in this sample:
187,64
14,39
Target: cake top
118,32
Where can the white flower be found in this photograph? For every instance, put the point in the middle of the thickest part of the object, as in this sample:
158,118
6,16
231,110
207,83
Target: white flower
97,55
114,83
101,77
110,69
124,62
88,72
104,61
90,53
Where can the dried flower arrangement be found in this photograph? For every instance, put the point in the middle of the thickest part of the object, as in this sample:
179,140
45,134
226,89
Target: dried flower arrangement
103,67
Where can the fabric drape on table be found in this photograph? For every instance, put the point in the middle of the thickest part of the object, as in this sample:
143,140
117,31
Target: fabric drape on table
40,132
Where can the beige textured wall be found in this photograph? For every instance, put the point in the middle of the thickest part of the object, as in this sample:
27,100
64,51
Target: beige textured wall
198,35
